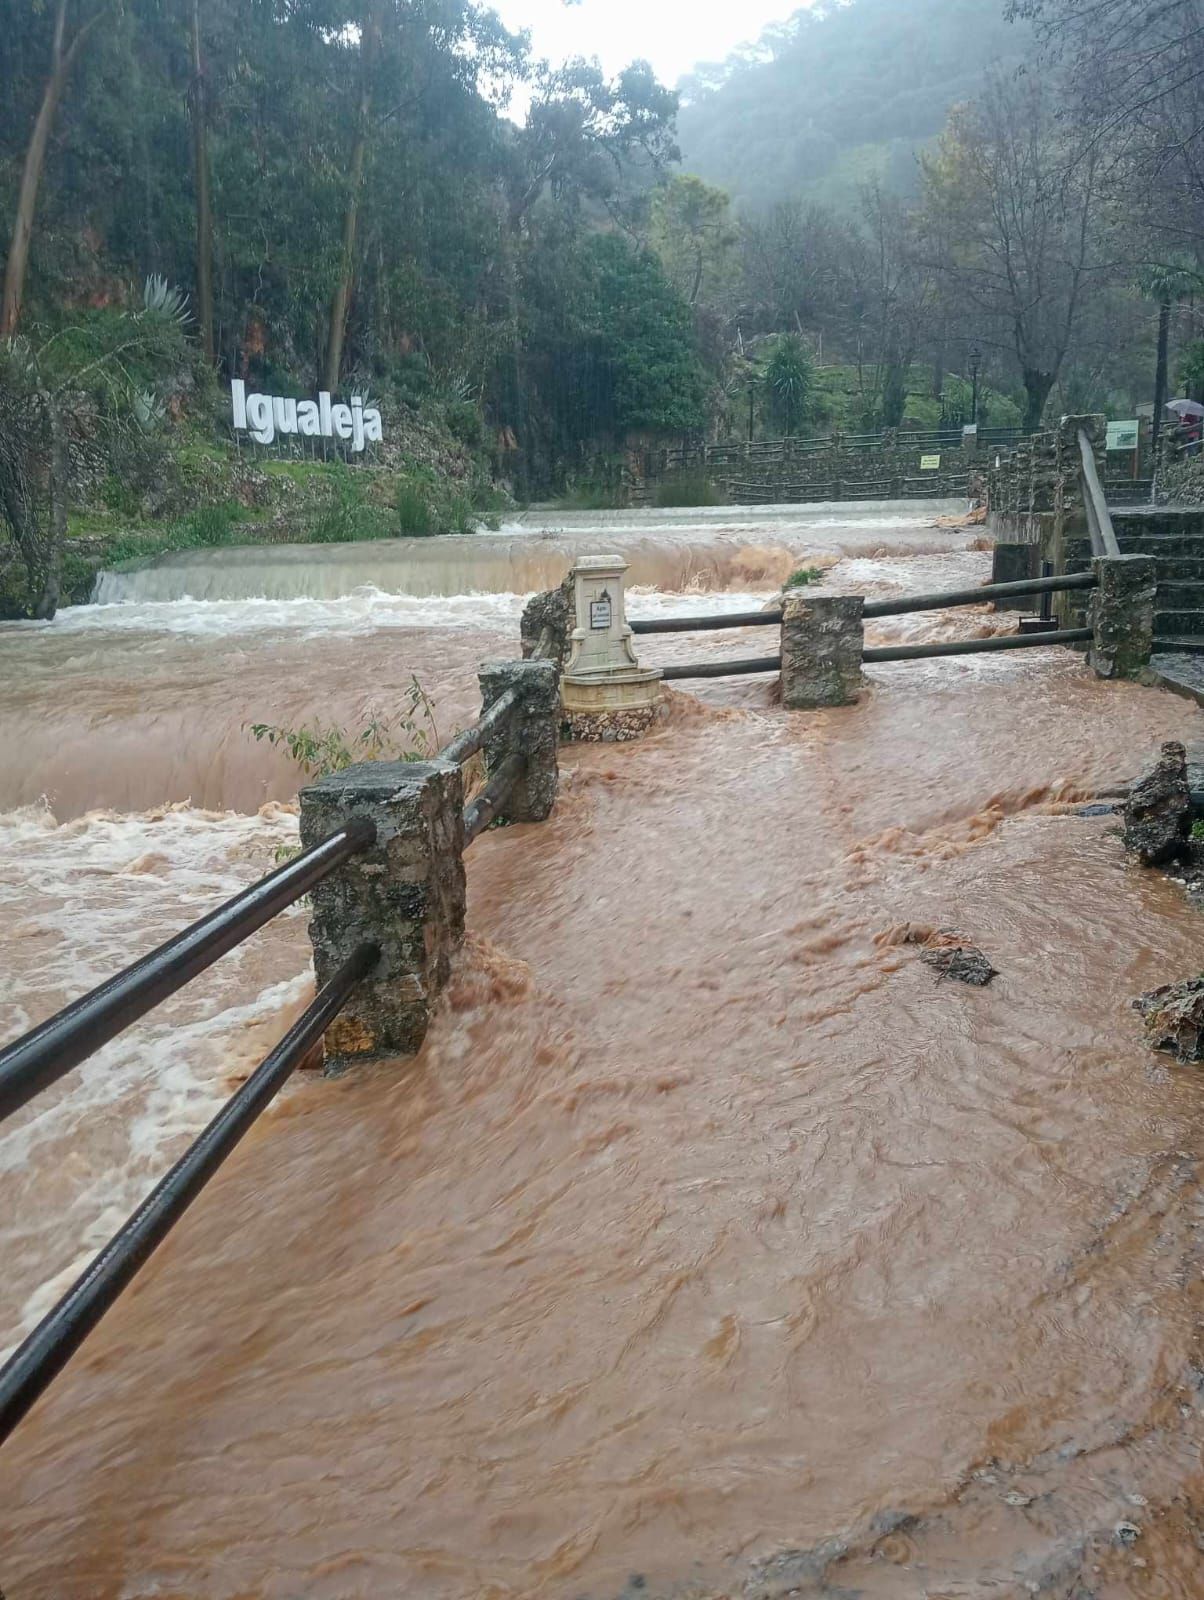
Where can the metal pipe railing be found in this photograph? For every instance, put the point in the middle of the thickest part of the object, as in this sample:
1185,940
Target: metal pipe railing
878,608
42,1056
465,745
974,597
46,1351
1099,518
726,619
722,669
974,647
483,807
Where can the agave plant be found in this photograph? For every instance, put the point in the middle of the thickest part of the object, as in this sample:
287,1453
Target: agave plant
163,299
149,409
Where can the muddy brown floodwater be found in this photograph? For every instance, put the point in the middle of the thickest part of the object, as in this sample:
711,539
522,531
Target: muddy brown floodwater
711,1246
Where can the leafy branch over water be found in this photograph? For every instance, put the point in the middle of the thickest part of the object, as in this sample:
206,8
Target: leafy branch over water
411,735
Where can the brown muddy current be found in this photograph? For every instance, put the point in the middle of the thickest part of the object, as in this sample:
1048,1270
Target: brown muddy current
712,1246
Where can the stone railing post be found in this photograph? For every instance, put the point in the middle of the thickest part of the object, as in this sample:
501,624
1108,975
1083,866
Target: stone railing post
405,894
822,641
530,731
1121,615
1069,491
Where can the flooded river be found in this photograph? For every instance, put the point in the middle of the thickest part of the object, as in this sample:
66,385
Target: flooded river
711,1246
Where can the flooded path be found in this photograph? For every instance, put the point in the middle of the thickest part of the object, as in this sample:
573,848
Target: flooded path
710,1241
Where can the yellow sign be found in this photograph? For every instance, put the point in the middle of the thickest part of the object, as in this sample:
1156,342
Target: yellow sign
930,463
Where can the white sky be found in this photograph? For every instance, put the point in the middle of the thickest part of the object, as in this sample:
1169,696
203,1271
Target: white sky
674,35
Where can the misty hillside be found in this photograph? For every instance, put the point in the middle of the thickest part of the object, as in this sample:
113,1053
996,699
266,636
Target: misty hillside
838,94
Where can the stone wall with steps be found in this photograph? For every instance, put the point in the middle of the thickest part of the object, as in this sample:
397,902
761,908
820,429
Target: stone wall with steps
1034,497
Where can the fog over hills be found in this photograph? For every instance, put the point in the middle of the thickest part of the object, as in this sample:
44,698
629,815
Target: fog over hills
840,93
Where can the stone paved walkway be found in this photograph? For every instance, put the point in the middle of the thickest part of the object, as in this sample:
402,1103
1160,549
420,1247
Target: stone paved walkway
1181,672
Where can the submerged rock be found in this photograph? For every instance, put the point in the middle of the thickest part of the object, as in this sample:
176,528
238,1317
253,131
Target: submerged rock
1158,811
1174,1017
951,955
965,962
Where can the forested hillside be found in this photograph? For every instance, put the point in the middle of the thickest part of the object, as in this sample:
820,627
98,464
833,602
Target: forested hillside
839,94
328,196
336,188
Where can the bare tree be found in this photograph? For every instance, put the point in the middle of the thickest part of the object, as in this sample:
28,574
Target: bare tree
1022,228
1135,71
64,52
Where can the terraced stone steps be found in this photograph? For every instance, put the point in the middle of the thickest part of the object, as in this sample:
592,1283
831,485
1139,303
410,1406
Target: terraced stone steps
1174,536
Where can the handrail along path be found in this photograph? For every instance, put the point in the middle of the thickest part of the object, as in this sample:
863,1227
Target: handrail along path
49,1051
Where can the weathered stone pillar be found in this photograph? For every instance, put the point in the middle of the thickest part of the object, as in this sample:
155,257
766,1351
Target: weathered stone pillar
1068,495
530,730
1010,563
822,639
606,694
546,628
1121,615
405,894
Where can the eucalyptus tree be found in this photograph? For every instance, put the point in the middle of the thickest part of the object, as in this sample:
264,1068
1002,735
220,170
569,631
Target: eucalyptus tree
72,23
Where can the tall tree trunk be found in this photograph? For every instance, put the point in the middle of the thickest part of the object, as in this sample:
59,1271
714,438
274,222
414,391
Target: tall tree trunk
62,59
341,303
56,534
199,105
1037,385
1164,334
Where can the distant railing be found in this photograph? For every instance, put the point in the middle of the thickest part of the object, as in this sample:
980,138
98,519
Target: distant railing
949,599
734,451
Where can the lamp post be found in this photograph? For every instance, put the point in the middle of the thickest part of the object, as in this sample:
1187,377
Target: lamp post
975,364
751,392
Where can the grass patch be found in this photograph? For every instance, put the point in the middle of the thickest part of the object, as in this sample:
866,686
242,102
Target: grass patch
688,489
426,505
803,576
206,528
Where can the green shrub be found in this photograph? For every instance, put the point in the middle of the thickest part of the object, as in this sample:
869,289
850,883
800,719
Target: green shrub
212,525
427,504
414,515
411,735
348,514
465,424
205,528
804,576
595,494
688,489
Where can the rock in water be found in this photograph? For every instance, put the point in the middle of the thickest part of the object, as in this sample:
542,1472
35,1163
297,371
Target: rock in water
965,962
1174,1018
951,955
1158,811
548,621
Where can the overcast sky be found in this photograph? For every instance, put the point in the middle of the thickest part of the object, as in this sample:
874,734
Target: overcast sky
674,35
